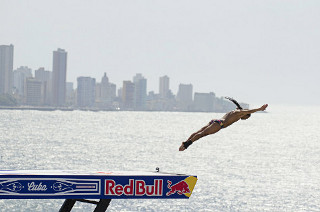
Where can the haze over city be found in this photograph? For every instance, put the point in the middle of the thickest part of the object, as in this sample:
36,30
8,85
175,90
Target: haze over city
256,51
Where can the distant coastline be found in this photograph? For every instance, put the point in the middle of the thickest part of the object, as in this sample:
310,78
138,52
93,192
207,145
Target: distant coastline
36,108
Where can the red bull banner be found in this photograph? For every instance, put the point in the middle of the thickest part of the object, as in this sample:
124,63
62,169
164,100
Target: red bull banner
46,184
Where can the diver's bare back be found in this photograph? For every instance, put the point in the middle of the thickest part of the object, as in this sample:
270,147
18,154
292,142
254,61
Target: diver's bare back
231,117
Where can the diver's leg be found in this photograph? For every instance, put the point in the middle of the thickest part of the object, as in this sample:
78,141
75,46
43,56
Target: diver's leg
213,128
202,129
210,129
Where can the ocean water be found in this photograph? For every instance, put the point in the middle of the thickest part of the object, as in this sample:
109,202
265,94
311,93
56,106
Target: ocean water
270,162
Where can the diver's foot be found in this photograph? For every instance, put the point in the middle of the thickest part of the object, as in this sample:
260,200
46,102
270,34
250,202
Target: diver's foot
185,145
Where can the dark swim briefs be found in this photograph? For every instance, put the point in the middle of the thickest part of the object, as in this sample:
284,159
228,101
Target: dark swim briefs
220,122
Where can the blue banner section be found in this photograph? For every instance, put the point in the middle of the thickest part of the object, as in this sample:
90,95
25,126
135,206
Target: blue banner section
52,187
99,185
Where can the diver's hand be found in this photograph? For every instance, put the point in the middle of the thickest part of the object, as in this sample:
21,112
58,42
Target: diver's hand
263,107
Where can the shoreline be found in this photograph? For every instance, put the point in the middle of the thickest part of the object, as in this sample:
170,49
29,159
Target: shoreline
36,108
91,109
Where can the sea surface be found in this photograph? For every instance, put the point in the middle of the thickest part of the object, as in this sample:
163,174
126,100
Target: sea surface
270,162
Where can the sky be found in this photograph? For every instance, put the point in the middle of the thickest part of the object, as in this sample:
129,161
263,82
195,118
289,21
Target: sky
257,51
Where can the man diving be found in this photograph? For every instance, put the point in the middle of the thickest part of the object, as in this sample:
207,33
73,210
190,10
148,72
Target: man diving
217,124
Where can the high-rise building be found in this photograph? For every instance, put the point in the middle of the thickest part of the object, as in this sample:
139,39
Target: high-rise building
6,68
104,89
44,77
108,92
59,74
70,94
204,102
98,92
119,93
42,74
69,88
105,93
128,94
185,93
113,90
184,97
140,92
86,91
164,86
33,92
19,78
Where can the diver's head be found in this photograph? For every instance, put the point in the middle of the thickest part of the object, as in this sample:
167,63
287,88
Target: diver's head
245,117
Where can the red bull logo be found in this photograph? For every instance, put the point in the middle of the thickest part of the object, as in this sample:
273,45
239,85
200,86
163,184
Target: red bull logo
184,187
134,188
181,188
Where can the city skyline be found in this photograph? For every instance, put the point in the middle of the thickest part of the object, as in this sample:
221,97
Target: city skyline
59,64
45,88
59,67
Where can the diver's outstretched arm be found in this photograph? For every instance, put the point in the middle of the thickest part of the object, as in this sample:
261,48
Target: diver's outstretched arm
262,108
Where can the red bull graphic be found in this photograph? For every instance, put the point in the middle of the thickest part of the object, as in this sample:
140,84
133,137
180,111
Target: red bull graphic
134,188
126,187
181,188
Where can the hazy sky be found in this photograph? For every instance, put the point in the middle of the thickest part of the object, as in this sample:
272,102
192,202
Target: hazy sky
257,51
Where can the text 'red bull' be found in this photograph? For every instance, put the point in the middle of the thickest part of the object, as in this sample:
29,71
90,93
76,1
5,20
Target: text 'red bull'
134,188
180,188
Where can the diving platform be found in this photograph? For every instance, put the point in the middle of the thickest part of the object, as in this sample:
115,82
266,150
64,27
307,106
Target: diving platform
84,186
